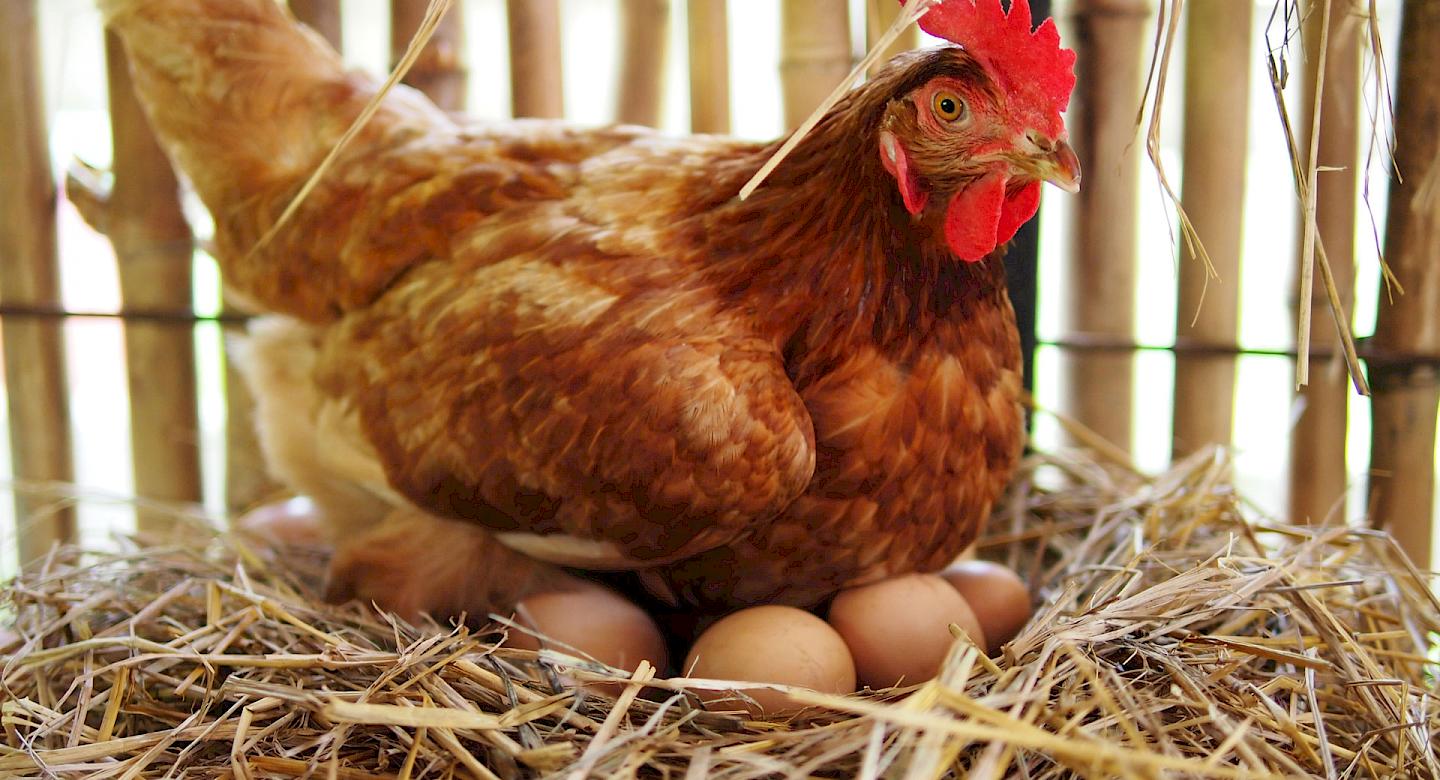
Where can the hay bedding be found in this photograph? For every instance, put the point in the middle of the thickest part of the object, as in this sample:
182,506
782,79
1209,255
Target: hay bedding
1177,638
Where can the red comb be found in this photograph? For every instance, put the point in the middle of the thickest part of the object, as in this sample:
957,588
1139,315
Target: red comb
1030,66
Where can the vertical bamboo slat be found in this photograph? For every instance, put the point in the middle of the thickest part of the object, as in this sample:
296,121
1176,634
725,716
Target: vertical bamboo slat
1110,40
154,250
709,34
815,53
879,15
644,34
536,80
1317,444
440,71
1403,439
1217,90
323,16
34,348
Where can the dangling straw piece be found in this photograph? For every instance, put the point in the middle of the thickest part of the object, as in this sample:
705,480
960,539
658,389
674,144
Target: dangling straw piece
433,15
910,15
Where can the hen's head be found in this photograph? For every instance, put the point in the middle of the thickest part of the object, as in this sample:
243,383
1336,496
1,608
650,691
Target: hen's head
977,127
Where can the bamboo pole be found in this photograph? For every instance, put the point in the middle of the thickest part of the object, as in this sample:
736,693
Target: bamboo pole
1402,480
29,276
709,34
815,53
1317,444
323,16
644,35
536,81
154,250
879,15
1217,92
1110,40
440,70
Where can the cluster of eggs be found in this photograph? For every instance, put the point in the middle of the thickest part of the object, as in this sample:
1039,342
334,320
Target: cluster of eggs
893,632
888,633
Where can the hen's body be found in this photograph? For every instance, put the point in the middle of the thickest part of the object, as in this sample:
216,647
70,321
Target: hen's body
580,340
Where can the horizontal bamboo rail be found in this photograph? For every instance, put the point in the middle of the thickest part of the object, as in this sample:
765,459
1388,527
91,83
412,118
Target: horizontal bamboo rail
29,275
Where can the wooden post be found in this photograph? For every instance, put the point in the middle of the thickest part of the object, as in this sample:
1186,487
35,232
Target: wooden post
440,71
1402,442
879,15
323,16
709,34
154,249
644,34
815,53
29,276
1317,444
536,82
1110,40
1217,92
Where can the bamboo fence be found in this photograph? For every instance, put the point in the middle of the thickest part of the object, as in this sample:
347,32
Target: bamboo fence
1110,39
154,250
708,34
644,39
815,53
323,16
1407,390
440,70
1317,445
36,389
879,15
142,217
536,83
1217,89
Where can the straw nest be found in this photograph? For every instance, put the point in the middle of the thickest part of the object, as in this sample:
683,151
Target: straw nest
1177,636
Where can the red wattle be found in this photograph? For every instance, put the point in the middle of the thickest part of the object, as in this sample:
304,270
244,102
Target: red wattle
1018,210
973,218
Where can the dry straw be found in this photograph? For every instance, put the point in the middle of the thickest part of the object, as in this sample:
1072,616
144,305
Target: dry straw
1175,638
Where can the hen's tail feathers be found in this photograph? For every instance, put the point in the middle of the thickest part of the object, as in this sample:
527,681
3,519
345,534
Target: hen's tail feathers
248,102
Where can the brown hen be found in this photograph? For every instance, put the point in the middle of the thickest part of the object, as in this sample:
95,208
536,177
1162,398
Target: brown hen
577,348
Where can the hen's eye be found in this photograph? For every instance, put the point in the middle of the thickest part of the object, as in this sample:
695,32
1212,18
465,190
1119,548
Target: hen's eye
947,106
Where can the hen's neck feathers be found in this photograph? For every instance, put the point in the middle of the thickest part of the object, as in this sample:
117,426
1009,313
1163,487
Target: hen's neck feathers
825,253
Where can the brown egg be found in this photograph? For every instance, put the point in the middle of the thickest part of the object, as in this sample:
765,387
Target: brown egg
770,644
595,621
898,629
294,522
997,595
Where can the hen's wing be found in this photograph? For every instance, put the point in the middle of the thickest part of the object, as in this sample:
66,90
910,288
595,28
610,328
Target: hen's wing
592,423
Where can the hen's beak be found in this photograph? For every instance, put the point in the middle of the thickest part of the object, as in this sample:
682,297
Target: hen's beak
1061,167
